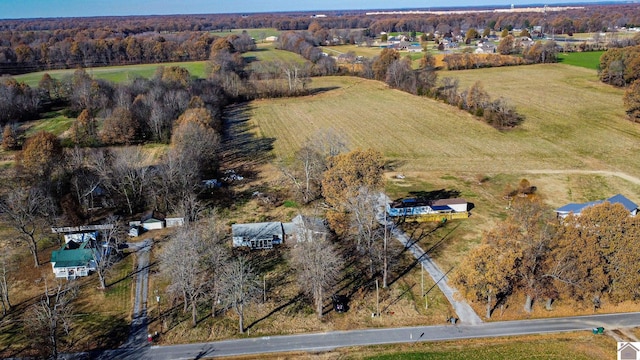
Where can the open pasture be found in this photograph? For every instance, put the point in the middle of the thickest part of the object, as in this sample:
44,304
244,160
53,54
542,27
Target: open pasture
572,122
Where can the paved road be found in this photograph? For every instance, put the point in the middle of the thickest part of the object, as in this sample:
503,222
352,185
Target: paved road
463,310
336,339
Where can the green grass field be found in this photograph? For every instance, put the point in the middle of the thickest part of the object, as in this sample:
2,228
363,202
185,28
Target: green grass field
116,74
589,60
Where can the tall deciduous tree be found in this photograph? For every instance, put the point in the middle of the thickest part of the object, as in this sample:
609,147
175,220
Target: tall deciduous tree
239,287
485,274
318,266
50,319
119,128
41,154
27,210
191,260
505,47
363,209
84,129
382,62
10,137
347,173
631,101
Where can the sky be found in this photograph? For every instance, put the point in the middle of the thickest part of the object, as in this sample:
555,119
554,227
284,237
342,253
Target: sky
16,9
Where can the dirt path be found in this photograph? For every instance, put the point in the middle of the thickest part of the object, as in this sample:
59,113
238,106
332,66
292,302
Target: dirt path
619,174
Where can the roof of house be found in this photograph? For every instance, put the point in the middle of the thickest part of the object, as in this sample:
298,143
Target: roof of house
152,216
71,258
257,230
616,199
416,202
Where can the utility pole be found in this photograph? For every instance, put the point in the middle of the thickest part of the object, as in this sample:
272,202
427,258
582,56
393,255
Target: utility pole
421,279
264,288
377,300
385,265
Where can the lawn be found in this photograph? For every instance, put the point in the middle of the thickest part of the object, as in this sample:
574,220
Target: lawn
579,345
53,121
267,52
589,60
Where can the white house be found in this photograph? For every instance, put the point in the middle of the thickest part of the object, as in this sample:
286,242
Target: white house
77,256
415,206
265,235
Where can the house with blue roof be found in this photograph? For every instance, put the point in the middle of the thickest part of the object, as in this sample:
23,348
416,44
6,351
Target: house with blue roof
576,208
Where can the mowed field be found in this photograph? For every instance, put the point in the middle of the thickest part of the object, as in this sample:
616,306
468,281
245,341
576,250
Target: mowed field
572,122
116,73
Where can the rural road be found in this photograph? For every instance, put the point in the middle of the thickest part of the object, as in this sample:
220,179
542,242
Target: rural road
464,312
336,339
138,335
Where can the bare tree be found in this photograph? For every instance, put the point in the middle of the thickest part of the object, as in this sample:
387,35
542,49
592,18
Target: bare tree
329,142
305,173
365,228
50,318
27,210
318,267
191,259
5,264
126,172
239,286
105,252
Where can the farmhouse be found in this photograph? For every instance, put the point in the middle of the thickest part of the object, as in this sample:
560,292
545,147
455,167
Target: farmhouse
576,209
265,235
261,235
76,258
418,207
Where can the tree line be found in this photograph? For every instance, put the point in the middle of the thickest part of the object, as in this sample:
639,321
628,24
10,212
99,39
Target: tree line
587,259
31,45
621,67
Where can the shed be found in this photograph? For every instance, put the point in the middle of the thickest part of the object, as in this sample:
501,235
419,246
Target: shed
152,220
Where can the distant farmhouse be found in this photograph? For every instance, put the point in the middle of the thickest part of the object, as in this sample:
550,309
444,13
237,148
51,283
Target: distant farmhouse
429,210
265,235
576,209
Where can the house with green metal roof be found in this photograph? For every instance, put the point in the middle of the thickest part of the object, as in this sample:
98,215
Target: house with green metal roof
73,260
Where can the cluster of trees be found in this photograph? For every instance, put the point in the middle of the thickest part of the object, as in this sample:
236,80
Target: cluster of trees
588,258
18,101
621,67
463,61
349,185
